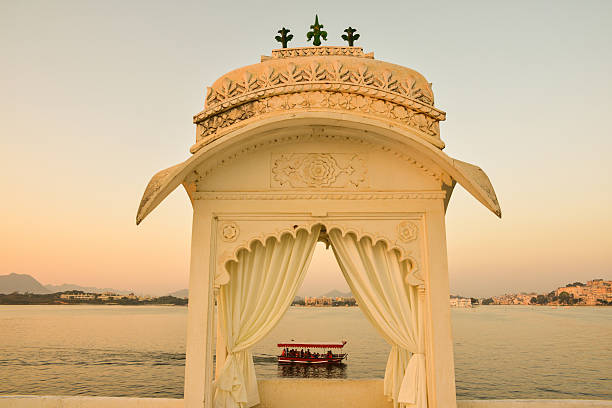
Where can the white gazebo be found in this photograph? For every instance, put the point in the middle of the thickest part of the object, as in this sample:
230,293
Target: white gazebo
311,144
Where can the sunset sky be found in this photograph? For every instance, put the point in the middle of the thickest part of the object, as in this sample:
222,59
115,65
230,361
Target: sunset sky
99,95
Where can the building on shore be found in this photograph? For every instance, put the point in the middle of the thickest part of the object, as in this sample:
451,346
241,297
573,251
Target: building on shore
78,296
317,301
324,301
514,299
460,302
592,293
109,296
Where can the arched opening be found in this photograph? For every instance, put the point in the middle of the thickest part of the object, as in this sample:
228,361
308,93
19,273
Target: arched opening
318,315
262,279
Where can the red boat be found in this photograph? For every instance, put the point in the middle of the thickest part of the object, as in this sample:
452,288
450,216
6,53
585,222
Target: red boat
307,353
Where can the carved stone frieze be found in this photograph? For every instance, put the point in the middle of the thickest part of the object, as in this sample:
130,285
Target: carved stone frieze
318,51
331,195
316,134
322,72
335,101
317,170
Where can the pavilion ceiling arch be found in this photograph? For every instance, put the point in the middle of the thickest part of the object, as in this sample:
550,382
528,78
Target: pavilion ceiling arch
471,177
403,236
315,133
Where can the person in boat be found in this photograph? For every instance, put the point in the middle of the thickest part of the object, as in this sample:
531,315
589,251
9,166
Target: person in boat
329,354
308,353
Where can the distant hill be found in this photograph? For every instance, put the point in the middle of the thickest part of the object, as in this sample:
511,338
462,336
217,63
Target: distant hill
21,283
182,294
336,293
89,289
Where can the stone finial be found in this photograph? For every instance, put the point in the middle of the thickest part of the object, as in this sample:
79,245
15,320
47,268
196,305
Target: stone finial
316,32
350,36
284,36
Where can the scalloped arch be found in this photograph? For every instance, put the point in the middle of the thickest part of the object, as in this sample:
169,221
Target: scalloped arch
222,276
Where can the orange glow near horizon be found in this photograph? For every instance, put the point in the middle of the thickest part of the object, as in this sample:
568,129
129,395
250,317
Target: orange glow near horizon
94,110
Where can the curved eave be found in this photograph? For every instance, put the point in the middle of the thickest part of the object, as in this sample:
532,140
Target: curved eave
471,177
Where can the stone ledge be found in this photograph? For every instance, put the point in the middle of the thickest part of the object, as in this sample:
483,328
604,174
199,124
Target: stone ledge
292,393
33,401
534,403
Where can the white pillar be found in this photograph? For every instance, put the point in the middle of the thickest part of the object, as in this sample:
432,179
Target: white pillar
200,316
221,349
441,392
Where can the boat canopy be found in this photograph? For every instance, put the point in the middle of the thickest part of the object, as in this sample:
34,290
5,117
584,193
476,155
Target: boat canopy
325,345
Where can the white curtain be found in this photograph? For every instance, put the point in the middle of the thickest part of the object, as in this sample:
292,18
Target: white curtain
386,289
262,285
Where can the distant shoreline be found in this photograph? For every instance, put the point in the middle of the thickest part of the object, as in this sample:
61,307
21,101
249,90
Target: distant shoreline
322,306
81,298
90,304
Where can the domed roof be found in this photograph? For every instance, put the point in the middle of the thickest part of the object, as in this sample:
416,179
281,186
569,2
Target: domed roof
320,78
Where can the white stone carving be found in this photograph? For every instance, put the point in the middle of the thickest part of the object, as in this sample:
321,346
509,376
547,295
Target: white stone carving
257,79
229,231
321,78
407,231
318,51
376,228
330,195
318,170
317,135
329,99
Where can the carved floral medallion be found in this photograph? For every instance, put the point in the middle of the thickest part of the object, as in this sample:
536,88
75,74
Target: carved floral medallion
229,231
407,231
317,170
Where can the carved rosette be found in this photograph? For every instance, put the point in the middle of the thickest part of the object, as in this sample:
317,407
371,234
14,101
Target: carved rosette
407,231
308,170
229,231
320,78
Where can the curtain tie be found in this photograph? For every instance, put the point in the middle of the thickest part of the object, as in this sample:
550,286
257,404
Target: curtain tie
414,385
230,387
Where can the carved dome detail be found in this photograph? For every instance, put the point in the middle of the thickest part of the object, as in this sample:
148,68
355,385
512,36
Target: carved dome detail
320,78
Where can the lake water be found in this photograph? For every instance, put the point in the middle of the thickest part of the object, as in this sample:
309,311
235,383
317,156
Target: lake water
500,351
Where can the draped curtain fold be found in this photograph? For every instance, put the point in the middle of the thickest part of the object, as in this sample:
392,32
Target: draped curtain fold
262,285
386,289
